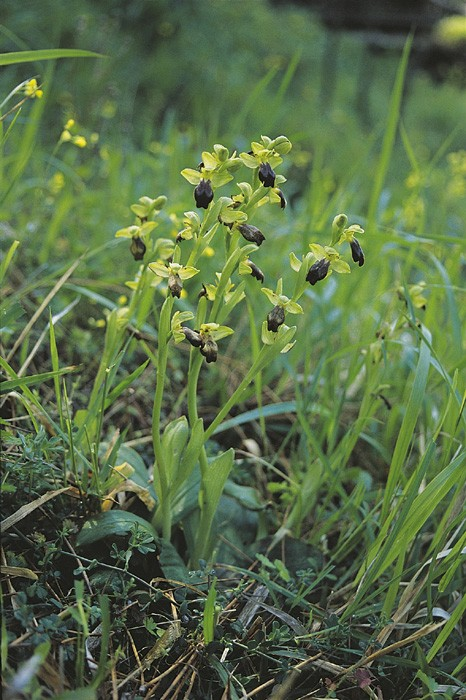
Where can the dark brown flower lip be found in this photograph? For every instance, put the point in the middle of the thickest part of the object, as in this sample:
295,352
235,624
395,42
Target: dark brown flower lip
256,272
193,337
357,252
203,194
267,175
275,318
318,271
175,285
251,233
137,248
210,350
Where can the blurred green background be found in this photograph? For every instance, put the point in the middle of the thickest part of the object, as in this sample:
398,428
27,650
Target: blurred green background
180,76
227,71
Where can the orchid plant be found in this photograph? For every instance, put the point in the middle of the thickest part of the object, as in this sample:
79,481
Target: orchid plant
175,268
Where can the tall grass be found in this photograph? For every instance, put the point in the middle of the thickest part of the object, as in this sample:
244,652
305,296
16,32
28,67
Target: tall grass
355,439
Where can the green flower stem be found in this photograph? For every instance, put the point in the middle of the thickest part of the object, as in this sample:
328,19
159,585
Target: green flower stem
195,364
256,196
201,244
227,271
162,516
265,356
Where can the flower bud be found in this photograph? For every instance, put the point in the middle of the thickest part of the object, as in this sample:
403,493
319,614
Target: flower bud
193,337
175,285
275,318
210,350
318,271
251,233
356,252
203,194
266,175
137,248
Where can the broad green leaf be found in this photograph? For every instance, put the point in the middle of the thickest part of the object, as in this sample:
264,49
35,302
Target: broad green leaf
115,523
190,455
174,440
172,564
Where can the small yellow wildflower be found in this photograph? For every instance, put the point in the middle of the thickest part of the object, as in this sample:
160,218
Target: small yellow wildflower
79,141
65,136
31,89
69,124
57,182
122,299
208,251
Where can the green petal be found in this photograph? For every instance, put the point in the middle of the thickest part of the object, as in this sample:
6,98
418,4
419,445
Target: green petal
128,232
244,268
340,266
295,262
192,176
274,161
288,347
249,160
186,273
159,269
147,227
221,332
271,296
180,317
220,179
209,160
231,216
293,308
318,251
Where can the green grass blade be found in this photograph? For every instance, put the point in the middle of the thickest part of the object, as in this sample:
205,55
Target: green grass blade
21,382
7,260
455,618
13,57
405,436
55,367
208,621
389,136
124,384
